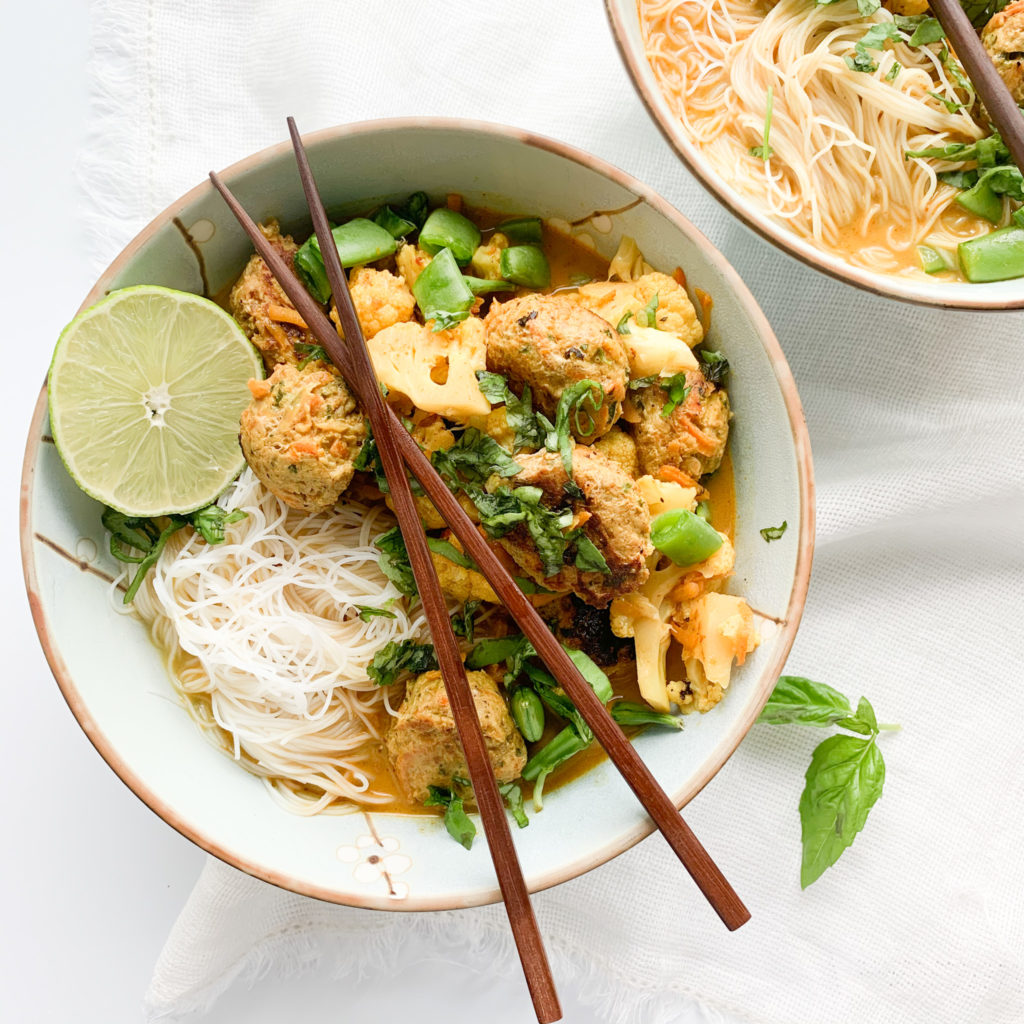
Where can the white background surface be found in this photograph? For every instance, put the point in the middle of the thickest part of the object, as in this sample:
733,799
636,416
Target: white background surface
91,879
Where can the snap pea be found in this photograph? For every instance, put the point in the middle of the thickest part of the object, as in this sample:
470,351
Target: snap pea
704,510
627,713
441,291
526,265
934,261
446,229
527,713
983,201
396,226
684,537
482,286
1018,217
521,230
358,241
998,256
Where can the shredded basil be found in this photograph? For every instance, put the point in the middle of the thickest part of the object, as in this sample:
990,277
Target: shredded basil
401,657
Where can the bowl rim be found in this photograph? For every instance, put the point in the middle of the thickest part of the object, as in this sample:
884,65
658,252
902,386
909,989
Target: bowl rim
789,625
886,285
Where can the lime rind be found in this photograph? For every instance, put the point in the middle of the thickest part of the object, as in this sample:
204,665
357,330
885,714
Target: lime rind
145,391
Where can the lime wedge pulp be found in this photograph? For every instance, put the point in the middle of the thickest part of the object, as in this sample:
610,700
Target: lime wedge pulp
145,391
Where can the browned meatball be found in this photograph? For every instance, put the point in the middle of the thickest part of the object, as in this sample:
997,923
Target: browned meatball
422,742
262,309
1003,37
692,438
550,342
612,513
301,434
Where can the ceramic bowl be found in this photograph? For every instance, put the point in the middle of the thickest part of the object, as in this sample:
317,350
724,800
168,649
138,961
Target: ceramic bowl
625,22
114,680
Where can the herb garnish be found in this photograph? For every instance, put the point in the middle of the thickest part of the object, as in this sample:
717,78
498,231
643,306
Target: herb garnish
770,533
573,403
513,797
678,391
463,622
647,317
401,657
529,432
475,456
713,365
146,535
622,327
367,612
310,353
951,105
764,151
874,39
394,561
846,773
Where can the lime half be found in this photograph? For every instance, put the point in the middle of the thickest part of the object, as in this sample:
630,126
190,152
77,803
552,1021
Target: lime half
145,389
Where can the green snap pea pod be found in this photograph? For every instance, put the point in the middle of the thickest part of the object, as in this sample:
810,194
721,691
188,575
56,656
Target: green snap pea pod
563,746
704,510
627,713
934,261
446,229
1018,217
483,286
684,537
527,713
521,230
983,201
998,256
456,821
493,650
525,265
441,291
358,241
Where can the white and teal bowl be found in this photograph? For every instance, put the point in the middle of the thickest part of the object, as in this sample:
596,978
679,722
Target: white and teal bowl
127,706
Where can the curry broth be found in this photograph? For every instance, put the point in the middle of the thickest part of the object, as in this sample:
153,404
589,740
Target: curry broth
570,263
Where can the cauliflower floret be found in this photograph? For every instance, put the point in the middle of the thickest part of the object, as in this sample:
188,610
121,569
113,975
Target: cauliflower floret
665,495
381,299
486,260
436,371
719,630
618,446
628,263
411,262
674,316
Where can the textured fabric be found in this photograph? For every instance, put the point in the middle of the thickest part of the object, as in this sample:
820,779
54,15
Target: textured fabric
917,598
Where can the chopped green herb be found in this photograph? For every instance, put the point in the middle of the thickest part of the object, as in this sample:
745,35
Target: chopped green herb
446,549
573,404
623,325
896,68
981,11
398,658
513,797
678,391
713,365
416,208
874,39
764,151
770,533
529,433
951,105
648,316
588,558
928,31
367,612
394,561
463,622
310,353
644,382
475,457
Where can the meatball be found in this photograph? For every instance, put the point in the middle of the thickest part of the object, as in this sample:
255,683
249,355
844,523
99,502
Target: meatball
613,516
1003,37
381,299
621,449
692,438
549,342
423,745
301,434
264,312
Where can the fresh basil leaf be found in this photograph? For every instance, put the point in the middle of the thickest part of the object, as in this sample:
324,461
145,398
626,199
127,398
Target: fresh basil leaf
394,561
770,533
446,549
951,105
476,457
843,783
981,11
518,411
513,650
416,208
367,612
678,391
868,7
863,720
643,382
591,672
805,702
713,365
929,31
210,522
572,417
588,558
463,622
401,657
622,327
456,821
311,353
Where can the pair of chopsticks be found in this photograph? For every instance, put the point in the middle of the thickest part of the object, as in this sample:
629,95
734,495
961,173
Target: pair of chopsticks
999,103
398,450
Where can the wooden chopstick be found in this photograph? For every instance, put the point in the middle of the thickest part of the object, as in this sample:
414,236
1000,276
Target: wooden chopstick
460,697
1000,105
702,869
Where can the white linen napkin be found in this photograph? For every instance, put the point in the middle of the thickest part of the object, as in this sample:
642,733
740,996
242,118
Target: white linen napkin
917,598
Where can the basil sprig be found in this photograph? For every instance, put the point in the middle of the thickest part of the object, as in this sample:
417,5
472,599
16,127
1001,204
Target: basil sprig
846,773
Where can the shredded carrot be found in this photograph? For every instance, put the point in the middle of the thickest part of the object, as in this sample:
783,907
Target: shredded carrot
285,315
453,201
304,448
259,388
680,276
706,302
671,475
706,444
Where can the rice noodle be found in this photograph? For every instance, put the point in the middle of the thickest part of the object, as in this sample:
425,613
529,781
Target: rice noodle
264,642
837,175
